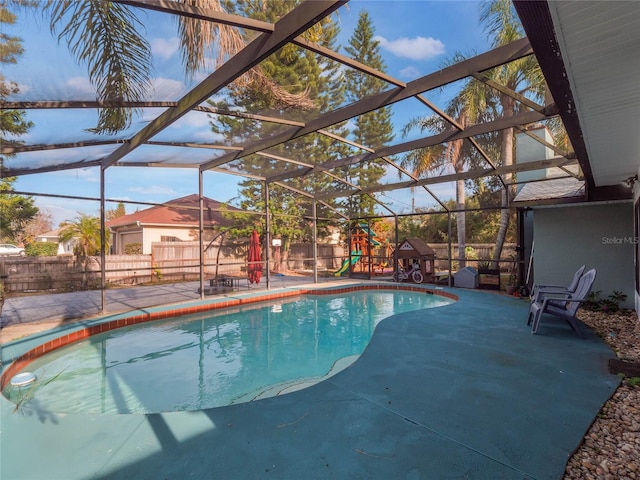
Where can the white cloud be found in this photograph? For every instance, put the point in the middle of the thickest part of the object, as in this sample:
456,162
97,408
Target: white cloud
218,97
418,48
167,89
24,88
88,174
80,86
153,190
410,72
60,211
164,48
47,158
208,136
193,119
149,114
207,69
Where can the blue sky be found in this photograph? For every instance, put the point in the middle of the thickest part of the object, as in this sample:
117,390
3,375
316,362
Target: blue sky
416,38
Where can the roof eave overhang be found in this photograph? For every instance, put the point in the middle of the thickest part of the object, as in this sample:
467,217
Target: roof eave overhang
549,201
610,193
538,25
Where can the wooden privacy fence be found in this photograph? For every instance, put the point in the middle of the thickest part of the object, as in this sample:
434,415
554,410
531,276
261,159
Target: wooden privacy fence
301,256
482,251
330,256
65,273
170,261
179,261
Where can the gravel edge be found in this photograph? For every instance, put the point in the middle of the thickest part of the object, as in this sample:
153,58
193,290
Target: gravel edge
611,448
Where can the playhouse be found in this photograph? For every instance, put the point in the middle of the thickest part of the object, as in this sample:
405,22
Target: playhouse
415,250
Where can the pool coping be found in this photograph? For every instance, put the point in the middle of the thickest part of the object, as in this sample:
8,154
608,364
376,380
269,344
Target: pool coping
18,354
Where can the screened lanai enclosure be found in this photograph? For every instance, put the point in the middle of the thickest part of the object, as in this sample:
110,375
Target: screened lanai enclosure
211,119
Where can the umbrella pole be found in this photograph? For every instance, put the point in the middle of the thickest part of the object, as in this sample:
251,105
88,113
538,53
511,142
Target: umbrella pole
201,232
315,240
267,235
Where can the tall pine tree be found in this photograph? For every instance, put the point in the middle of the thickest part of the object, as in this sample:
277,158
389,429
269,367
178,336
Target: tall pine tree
16,211
373,129
297,72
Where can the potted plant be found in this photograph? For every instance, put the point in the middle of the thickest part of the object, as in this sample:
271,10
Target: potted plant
484,265
488,277
512,283
511,289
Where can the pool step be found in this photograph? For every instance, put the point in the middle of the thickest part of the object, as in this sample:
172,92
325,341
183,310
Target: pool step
295,385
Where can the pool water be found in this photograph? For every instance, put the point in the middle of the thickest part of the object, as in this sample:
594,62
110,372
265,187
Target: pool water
214,359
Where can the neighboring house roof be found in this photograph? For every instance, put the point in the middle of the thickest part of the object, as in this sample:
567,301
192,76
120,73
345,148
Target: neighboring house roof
419,245
560,188
53,234
170,214
551,190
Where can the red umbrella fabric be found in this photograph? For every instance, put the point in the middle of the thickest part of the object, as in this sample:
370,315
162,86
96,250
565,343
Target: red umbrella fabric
254,258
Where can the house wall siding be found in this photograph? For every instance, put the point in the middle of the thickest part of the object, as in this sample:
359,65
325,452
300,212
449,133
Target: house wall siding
154,234
599,236
636,224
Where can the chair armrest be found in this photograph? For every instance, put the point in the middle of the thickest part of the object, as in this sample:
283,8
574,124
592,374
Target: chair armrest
551,288
539,293
566,299
536,287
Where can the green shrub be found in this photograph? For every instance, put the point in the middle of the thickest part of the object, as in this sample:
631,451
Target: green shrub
41,249
634,381
470,253
157,272
608,304
133,249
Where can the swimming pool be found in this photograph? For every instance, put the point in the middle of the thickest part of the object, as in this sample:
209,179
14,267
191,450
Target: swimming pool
214,359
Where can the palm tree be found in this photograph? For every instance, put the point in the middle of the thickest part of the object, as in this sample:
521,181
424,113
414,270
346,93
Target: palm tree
522,76
85,232
469,106
439,158
476,102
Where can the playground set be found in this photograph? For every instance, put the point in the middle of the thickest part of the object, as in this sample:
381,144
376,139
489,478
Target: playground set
368,254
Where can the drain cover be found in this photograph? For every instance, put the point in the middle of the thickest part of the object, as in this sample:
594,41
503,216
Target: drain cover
629,369
22,379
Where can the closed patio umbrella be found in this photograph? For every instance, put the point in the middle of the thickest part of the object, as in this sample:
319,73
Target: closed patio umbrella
254,258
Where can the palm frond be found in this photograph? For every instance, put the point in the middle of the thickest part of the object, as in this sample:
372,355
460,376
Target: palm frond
104,36
199,38
501,22
416,123
424,160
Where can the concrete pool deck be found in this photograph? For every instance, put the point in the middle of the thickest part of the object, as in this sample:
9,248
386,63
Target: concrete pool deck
461,391
24,315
